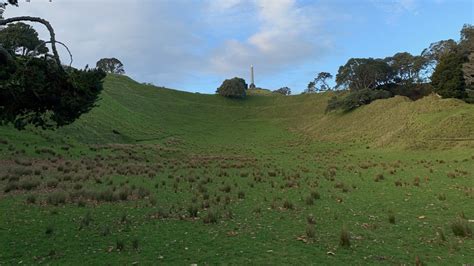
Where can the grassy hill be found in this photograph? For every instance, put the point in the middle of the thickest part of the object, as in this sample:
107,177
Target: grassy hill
155,175
130,112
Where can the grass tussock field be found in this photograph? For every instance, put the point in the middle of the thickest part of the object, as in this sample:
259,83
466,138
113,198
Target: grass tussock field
158,176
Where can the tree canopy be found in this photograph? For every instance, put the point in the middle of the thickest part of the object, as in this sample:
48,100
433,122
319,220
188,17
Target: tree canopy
22,39
233,88
111,65
362,73
35,89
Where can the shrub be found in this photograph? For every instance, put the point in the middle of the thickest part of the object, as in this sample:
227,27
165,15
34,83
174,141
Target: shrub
461,228
233,88
356,99
241,195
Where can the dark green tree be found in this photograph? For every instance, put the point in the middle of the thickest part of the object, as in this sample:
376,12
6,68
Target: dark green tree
361,73
437,50
22,39
233,88
321,81
38,90
311,88
111,65
406,68
448,79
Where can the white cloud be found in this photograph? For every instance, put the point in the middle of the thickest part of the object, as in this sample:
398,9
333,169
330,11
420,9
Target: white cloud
286,34
172,42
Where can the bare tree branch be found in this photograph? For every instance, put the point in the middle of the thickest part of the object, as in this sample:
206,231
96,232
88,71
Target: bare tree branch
46,42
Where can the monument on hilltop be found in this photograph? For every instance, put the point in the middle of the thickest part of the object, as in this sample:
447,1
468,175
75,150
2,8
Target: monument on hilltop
252,80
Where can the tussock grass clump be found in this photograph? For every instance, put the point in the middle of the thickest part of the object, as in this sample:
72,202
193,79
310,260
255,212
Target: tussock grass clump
211,217
52,183
31,199
311,219
344,238
288,205
460,227
135,244
315,195
29,184
119,245
379,177
11,186
57,198
442,196
85,221
193,211
391,218
416,181
309,200
310,231
49,230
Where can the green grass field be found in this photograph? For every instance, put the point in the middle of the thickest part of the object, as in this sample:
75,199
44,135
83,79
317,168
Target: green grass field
156,176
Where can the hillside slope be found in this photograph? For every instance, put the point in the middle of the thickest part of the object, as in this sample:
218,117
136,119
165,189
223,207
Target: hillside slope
129,112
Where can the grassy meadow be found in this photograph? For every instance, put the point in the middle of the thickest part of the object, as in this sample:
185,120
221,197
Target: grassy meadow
157,176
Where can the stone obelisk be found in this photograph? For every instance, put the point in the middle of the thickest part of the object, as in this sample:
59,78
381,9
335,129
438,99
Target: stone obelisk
252,79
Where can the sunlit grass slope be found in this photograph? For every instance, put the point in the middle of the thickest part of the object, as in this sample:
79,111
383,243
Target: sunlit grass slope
129,112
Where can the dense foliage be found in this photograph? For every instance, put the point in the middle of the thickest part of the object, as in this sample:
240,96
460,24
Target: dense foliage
233,88
22,39
448,78
111,65
35,89
42,94
449,65
357,99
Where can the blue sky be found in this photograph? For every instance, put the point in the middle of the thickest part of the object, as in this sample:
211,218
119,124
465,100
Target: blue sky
194,45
